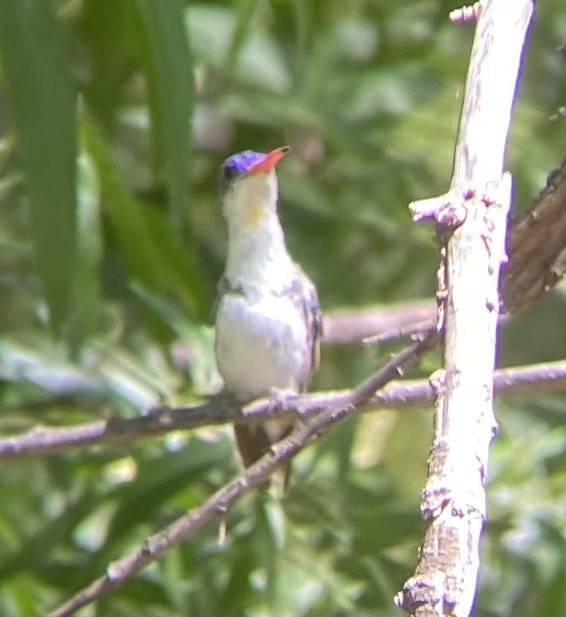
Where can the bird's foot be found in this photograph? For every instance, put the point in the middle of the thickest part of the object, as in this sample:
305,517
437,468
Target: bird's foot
280,398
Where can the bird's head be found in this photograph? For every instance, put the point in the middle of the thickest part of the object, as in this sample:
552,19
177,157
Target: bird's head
249,186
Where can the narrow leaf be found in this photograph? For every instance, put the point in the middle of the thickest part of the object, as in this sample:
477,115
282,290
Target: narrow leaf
86,306
42,106
169,71
152,256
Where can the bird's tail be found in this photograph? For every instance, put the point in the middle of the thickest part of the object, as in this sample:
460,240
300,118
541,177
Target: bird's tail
255,440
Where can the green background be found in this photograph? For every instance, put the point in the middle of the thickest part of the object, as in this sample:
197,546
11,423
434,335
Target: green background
115,116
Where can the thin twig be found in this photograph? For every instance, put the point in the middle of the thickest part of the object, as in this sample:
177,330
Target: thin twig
356,324
537,262
400,395
217,506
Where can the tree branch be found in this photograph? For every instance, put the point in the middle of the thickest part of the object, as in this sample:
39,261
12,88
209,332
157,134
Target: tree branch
537,262
453,500
354,325
217,506
400,395
537,247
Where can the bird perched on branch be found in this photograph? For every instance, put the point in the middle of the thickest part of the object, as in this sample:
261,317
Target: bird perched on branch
268,320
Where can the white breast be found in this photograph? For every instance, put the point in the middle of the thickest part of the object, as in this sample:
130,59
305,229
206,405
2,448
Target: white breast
261,345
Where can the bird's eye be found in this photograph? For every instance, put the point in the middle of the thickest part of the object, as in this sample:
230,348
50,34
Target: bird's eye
228,173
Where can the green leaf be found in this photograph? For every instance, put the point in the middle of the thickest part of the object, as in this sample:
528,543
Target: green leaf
124,212
144,497
151,254
36,548
86,306
105,35
42,105
169,72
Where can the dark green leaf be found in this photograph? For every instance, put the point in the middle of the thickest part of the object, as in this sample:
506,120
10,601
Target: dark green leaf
42,104
169,71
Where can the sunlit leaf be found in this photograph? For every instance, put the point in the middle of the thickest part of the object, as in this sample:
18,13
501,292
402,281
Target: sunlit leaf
90,252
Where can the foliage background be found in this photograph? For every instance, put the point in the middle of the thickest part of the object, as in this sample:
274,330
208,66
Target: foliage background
114,118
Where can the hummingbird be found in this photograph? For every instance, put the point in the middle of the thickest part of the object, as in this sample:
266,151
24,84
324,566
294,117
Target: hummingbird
268,319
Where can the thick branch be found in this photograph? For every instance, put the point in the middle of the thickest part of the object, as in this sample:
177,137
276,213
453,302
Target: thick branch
453,500
537,247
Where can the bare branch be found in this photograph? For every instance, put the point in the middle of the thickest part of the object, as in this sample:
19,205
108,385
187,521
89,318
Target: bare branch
537,247
217,506
537,262
401,395
453,500
352,325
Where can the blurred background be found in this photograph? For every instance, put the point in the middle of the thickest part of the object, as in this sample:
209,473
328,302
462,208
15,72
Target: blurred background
114,119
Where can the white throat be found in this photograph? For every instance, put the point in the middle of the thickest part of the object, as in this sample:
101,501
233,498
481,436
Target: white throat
257,256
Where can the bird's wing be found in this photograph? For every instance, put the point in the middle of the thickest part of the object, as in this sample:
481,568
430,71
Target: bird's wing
303,294
223,287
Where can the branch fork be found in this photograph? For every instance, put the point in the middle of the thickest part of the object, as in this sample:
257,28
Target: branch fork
448,210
